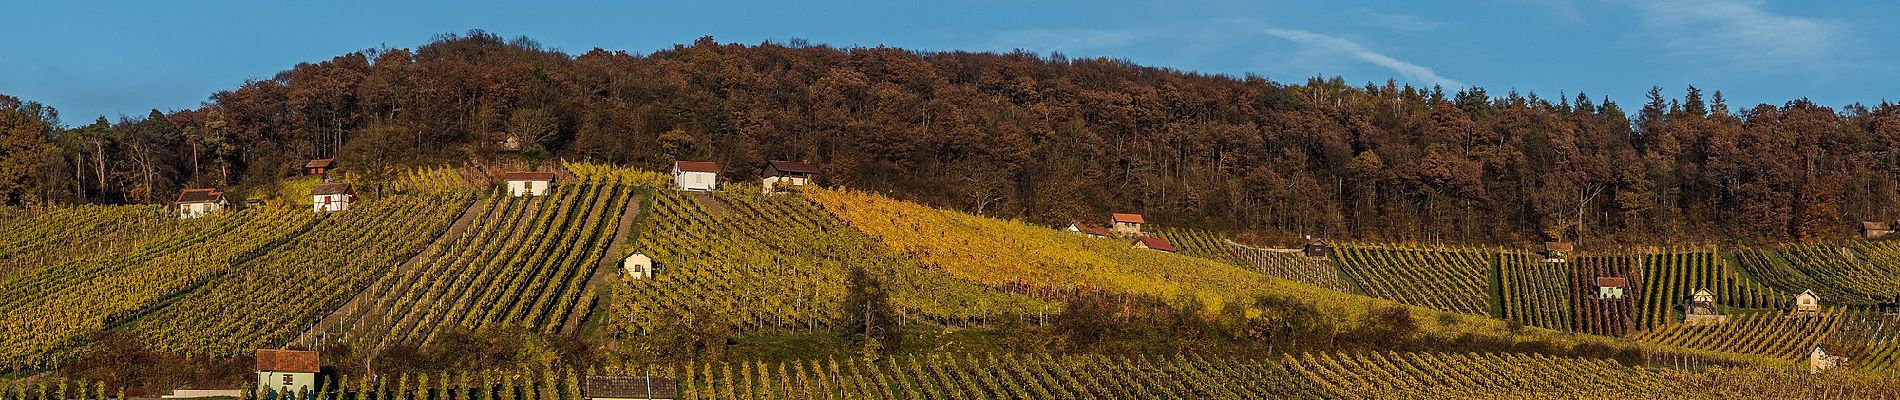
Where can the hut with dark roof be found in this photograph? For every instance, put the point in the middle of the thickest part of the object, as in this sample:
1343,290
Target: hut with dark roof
780,175
332,197
629,388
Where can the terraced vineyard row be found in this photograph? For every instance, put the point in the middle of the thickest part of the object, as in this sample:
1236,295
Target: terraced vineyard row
266,301
523,263
1779,335
54,235
1199,243
1373,375
1443,279
44,314
1007,376
780,263
1595,314
1289,265
1671,279
1835,273
1533,292
1003,253
1384,375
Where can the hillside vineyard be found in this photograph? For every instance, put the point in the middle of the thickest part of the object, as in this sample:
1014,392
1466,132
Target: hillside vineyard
481,219
841,293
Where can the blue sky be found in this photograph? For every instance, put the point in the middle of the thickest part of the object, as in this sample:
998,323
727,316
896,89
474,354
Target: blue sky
96,58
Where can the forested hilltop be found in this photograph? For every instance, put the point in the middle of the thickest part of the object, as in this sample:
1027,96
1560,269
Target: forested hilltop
1039,137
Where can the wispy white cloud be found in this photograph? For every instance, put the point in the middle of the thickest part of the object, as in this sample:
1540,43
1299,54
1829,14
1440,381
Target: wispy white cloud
1731,32
1349,48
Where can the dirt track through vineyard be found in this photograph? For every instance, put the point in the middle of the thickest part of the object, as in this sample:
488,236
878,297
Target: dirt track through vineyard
605,271
336,316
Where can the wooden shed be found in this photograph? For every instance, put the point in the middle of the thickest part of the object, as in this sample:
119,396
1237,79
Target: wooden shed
528,183
781,175
629,388
319,166
1807,301
194,203
1875,229
332,197
695,175
1702,309
1557,251
1318,248
1611,287
286,371
637,266
1126,224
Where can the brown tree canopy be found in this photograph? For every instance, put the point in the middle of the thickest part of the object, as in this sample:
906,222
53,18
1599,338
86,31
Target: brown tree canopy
1047,139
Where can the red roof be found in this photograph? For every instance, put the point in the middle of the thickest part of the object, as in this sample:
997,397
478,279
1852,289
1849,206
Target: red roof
287,360
1876,226
206,195
697,166
1129,218
320,163
1092,229
797,167
1606,281
528,176
1157,243
1558,246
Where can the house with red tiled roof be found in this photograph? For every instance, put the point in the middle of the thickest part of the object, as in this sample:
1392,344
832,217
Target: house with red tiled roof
286,371
1127,224
695,175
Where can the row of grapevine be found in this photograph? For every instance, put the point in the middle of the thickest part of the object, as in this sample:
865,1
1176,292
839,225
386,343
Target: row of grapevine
1533,292
992,376
779,262
1598,315
1443,279
1671,279
266,301
1000,253
592,172
523,263
1372,375
1771,334
1836,273
1285,264
1386,375
45,313
51,235
1199,243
